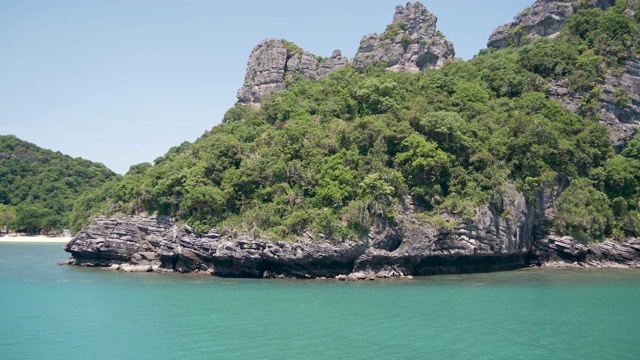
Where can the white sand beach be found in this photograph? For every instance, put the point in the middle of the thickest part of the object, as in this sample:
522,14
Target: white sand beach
33,239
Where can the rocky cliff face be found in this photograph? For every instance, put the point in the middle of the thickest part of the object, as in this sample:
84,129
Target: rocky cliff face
492,241
273,61
554,251
410,44
542,19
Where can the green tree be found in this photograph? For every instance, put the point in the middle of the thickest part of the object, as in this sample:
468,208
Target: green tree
583,212
7,216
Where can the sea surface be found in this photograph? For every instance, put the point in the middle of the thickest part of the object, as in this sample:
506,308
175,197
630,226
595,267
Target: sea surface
48,311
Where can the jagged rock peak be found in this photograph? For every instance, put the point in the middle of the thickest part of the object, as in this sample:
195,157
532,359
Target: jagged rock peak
410,44
273,61
544,18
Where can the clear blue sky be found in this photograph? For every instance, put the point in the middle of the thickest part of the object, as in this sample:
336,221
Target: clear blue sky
122,81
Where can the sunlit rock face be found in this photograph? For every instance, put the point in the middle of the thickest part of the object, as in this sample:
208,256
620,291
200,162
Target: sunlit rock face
411,43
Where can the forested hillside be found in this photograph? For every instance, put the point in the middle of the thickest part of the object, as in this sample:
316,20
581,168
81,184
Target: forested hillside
38,187
332,158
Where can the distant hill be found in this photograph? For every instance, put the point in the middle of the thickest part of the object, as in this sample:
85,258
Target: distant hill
38,187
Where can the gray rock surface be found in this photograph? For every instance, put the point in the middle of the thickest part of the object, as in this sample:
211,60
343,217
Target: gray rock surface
554,251
495,239
543,18
273,61
29,158
410,44
622,119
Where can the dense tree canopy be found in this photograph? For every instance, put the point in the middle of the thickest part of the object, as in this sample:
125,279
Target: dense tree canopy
332,158
38,187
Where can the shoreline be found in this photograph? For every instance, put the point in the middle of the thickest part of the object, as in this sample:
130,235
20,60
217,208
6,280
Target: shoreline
34,239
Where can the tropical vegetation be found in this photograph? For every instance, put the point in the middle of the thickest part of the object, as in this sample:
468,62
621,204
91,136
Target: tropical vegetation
333,158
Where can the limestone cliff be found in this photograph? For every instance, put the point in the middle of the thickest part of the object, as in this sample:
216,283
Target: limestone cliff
544,18
410,43
273,61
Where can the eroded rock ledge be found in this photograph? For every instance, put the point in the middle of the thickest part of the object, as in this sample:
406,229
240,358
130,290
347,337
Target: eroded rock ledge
156,243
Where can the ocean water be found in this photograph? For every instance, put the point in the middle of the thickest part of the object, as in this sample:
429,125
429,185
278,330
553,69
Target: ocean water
49,311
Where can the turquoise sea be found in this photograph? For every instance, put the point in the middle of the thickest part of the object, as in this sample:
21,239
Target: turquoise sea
49,311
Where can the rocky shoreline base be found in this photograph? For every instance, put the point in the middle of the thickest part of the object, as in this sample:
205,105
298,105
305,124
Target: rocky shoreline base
156,243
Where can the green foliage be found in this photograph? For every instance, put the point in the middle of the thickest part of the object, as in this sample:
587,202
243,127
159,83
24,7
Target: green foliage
632,150
583,212
524,11
392,30
334,158
516,36
34,219
406,40
42,185
621,97
292,48
7,216
237,113
548,58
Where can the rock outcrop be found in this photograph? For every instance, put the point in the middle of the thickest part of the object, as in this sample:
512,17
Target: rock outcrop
6,156
544,18
554,251
410,44
272,62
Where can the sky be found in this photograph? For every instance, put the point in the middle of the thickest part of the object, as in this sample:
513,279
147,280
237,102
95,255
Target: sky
122,81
